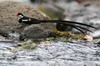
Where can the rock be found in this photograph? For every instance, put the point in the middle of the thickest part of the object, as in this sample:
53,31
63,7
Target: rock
9,24
34,32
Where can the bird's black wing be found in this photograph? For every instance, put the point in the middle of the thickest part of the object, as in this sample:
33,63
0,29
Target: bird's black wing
28,20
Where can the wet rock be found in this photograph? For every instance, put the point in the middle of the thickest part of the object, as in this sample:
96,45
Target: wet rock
9,24
35,31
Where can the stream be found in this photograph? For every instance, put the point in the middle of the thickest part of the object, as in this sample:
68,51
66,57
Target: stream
54,54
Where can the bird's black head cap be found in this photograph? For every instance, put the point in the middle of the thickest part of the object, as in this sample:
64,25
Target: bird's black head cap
19,14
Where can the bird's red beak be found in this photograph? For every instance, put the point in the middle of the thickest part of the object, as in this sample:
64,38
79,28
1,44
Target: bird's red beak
17,14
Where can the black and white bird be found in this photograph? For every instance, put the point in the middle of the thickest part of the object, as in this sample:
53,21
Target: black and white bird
26,20
61,24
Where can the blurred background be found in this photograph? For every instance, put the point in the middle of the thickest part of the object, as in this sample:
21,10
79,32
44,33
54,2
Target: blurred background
54,8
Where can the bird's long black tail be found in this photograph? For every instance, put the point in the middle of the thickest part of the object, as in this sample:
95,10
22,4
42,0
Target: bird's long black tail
66,22
75,25
80,28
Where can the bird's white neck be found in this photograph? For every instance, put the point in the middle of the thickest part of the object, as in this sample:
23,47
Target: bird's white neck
20,16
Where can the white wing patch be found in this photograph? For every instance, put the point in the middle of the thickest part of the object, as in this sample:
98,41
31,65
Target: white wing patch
29,19
25,20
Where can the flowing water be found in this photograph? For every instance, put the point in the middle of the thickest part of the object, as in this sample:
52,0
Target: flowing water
53,54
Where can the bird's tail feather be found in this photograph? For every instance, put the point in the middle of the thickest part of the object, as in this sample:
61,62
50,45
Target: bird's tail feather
66,22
